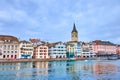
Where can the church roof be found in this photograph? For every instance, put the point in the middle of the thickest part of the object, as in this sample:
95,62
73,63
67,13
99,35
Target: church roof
74,28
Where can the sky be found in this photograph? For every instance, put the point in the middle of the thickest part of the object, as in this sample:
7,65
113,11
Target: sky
52,20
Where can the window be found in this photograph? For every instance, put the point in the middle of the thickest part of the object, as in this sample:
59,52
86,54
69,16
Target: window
8,51
15,56
15,46
23,45
8,46
45,51
40,53
3,56
41,48
7,56
11,56
4,46
12,46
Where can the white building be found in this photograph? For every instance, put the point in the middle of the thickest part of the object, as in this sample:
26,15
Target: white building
57,50
9,47
26,49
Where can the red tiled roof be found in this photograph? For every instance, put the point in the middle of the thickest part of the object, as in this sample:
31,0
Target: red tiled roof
8,37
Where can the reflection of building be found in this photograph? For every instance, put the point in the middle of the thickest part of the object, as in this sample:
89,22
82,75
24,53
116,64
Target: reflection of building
103,47
9,47
87,66
100,68
41,51
43,66
57,50
9,66
26,49
58,68
71,67
73,49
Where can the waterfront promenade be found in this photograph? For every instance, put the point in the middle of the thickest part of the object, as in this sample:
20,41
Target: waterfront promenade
56,59
39,60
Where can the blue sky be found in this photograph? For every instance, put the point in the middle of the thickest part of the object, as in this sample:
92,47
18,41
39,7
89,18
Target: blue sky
52,20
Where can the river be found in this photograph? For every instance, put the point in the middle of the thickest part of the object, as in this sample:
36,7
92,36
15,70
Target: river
61,70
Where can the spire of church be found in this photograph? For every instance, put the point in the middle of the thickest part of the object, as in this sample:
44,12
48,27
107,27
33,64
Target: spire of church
74,34
74,28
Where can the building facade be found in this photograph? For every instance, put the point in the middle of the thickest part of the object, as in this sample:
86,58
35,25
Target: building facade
26,49
9,47
86,51
41,51
73,49
57,50
118,49
103,47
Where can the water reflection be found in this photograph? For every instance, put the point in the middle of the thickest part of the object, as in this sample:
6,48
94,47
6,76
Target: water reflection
9,66
106,70
61,70
42,67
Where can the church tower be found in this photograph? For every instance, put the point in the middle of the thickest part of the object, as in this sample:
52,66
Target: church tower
74,34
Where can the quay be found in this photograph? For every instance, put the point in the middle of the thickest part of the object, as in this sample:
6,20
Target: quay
36,60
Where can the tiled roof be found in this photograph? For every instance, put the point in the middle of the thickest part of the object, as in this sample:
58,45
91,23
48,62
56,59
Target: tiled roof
53,44
8,37
24,41
99,42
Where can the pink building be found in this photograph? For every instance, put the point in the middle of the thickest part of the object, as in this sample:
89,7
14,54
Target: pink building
102,47
118,49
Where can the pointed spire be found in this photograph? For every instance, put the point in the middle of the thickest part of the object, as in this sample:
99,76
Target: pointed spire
74,28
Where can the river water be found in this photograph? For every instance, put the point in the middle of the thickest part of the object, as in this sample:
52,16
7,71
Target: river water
61,70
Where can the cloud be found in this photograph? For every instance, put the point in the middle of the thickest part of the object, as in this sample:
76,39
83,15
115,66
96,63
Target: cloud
47,19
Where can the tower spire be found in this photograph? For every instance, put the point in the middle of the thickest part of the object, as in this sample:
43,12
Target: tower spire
74,28
74,33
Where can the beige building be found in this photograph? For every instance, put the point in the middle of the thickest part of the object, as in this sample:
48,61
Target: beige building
86,50
9,47
74,34
41,51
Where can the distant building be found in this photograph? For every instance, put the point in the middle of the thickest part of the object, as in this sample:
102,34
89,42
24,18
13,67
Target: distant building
103,47
35,42
26,49
86,50
57,50
9,47
118,49
41,51
73,49
74,34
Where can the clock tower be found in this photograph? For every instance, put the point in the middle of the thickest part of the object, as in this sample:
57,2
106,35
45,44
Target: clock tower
74,34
